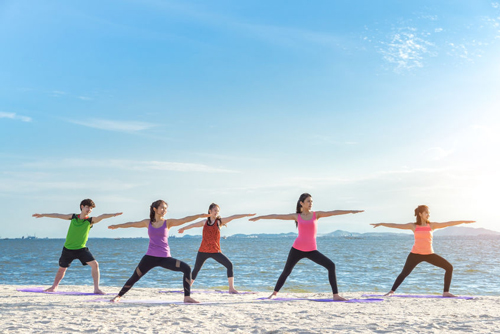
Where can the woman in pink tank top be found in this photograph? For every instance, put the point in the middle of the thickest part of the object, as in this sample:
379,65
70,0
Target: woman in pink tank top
422,250
305,244
158,254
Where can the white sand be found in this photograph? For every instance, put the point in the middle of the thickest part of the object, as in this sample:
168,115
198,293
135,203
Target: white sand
22,312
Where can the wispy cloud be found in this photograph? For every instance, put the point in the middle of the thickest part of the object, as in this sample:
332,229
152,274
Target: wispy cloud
320,139
113,125
406,49
275,34
144,166
438,153
14,116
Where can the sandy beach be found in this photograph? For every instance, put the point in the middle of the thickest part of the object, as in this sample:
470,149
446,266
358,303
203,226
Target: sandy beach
23,312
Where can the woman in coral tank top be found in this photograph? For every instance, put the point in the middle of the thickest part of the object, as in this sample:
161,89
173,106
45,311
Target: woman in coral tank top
305,244
422,248
210,243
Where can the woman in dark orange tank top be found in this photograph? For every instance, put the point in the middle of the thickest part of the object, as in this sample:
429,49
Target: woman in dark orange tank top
210,243
422,249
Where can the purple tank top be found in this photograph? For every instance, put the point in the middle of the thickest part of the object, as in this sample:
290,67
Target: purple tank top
158,241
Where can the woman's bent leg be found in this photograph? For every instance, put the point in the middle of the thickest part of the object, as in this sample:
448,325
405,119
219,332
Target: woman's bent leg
293,257
411,262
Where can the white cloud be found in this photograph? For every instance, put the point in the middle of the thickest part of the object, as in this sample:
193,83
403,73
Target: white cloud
406,49
130,165
320,139
112,125
437,153
15,116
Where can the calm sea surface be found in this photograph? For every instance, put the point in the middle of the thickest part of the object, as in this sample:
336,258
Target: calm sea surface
363,264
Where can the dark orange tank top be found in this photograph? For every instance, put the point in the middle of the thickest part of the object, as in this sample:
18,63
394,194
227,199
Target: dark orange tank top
210,243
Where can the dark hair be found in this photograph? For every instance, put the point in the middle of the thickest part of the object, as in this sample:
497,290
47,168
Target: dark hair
420,209
87,202
302,198
212,206
155,205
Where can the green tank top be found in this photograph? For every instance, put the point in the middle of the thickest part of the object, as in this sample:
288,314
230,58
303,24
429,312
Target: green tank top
78,233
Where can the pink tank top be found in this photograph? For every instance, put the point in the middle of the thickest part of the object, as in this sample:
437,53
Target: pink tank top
306,240
423,240
158,241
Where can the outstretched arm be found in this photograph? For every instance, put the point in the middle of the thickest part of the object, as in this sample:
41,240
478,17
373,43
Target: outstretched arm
291,216
97,219
409,226
197,224
53,215
226,220
177,222
142,223
322,214
436,226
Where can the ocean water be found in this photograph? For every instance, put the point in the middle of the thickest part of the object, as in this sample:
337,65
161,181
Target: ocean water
363,264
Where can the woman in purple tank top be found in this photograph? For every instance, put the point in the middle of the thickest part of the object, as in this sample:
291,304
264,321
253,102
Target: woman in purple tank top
158,254
305,244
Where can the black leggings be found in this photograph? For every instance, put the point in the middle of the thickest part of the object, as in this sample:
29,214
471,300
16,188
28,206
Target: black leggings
149,262
414,259
219,257
295,256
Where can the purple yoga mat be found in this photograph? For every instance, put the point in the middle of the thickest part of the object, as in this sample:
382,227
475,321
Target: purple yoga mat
422,296
369,300
145,301
74,293
210,291
280,299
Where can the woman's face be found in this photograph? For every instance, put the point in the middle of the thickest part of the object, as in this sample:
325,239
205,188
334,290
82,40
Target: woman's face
307,204
161,210
425,215
214,212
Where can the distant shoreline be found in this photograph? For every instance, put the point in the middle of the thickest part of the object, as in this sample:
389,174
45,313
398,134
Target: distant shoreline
451,231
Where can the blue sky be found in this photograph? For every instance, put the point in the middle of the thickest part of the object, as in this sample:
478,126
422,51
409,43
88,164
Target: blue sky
371,105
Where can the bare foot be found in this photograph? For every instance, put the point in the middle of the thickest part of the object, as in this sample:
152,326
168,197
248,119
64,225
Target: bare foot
447,294
116,299
337,297
390,293
272,295
98,292
188,299
51,289
233,291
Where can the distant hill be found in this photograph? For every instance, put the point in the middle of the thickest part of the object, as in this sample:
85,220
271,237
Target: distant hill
449,231
463,230
344,234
